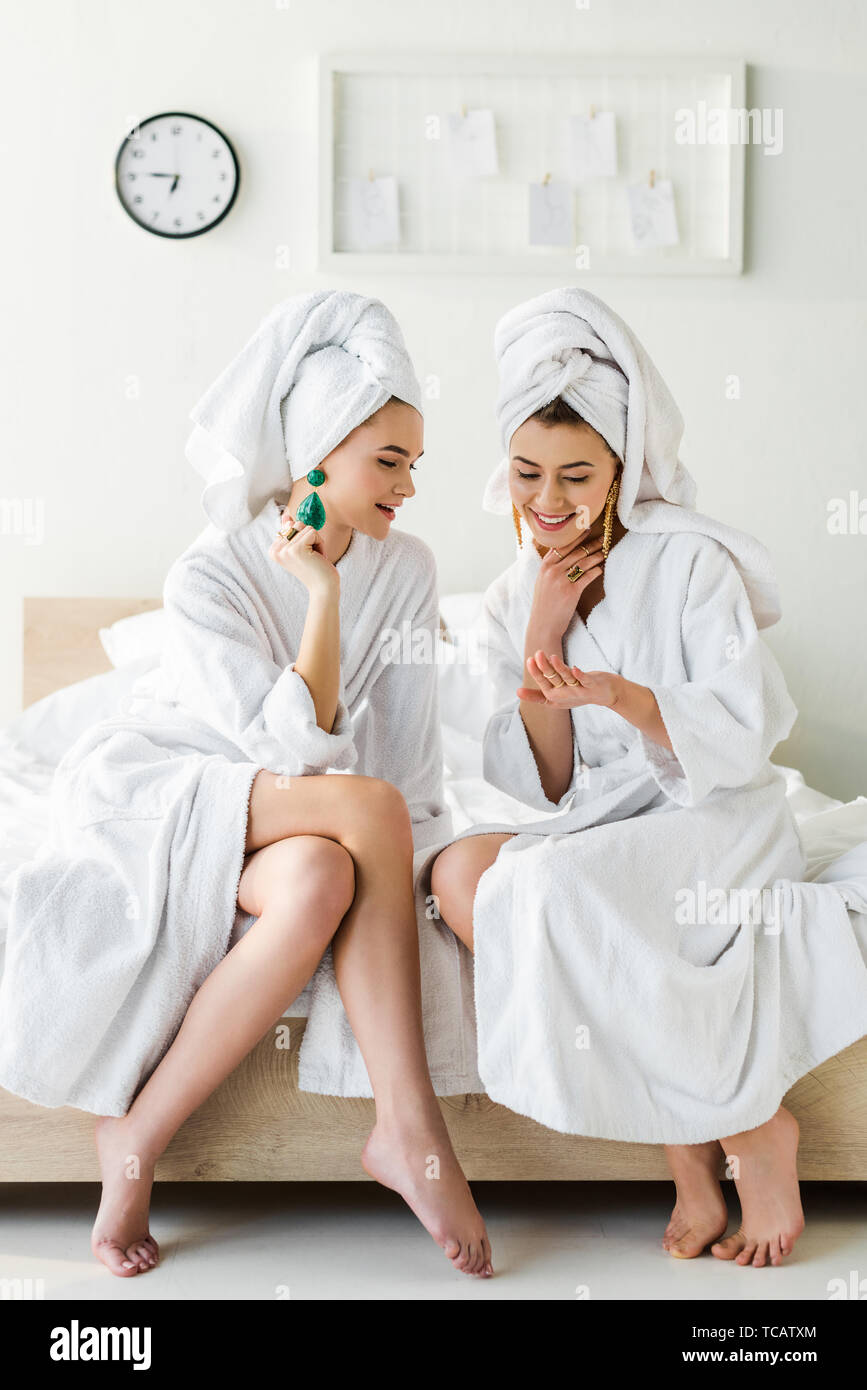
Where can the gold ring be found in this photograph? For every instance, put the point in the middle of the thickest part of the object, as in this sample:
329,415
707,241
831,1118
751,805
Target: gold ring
559,682
556,552
586,551
287,535
572,682
574,573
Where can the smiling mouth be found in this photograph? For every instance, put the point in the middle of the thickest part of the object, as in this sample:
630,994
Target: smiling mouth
550,523
390,512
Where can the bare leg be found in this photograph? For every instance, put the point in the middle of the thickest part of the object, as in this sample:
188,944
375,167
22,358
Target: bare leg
700,1214
375,954
312,885
345,823
765,1163
455,877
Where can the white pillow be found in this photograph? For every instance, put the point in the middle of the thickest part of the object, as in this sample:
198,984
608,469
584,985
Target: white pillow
46,729
131,639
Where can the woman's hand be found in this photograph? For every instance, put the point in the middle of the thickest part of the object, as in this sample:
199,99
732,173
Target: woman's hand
555,596
318,659
635,703
304,556
565,687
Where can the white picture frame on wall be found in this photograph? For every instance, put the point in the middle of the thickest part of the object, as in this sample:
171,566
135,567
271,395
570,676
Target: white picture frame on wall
378,117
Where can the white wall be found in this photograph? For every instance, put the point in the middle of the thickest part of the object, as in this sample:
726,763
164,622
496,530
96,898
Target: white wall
88,299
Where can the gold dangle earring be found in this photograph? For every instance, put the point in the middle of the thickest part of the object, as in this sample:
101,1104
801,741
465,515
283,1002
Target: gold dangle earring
576,571
608,523
516,517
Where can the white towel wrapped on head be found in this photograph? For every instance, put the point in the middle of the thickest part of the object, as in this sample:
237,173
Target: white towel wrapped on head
569,343
318,366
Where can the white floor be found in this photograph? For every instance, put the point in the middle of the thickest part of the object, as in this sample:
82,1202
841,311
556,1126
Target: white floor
356,1241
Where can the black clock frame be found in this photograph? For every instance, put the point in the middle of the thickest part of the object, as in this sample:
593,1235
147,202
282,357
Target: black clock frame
197,231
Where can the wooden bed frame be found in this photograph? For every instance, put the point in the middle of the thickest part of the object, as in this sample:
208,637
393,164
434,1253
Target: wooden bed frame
258,1126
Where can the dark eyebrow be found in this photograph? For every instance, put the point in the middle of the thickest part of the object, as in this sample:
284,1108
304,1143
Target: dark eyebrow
582,463
396,449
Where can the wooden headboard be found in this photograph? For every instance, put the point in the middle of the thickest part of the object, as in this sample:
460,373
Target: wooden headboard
60,639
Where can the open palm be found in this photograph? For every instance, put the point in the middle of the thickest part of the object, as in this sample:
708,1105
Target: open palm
564,687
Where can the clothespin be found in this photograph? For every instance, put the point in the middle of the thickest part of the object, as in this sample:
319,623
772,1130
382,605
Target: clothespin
370,175
546,180
592,111
652,179
463,111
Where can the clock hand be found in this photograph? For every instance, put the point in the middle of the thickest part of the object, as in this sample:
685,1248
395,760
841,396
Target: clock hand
177,170
152,175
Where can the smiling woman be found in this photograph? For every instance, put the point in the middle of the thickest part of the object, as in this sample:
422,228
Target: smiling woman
363,491
588,459
563,478
560,476
208,805
646,736
362,481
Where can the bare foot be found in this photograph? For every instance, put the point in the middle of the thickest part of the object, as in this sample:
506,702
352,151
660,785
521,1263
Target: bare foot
121,1238
766,1177
700,1214
416,1159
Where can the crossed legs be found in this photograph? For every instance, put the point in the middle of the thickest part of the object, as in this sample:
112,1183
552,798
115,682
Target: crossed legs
329,859
763,1160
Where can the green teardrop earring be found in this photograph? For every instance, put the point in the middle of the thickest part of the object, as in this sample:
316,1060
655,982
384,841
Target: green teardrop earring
311,512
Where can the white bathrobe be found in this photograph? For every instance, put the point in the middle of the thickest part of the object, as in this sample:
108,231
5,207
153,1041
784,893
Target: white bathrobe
113,929
622,991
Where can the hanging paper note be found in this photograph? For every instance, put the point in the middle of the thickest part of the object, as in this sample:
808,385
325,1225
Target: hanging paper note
374,219
472,143
593,142
551,222
652,214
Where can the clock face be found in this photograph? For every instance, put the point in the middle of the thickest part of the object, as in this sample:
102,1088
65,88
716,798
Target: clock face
176,174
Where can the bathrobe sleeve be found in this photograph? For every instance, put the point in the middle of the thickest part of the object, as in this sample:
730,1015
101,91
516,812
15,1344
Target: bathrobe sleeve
222,669
508,762
732,708
404,716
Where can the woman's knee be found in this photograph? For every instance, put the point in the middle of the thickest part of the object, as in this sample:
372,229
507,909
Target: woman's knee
302,872
456,872
329,873
453,878
379,808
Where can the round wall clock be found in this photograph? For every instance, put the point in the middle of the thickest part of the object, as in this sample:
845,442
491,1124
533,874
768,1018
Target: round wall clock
176,174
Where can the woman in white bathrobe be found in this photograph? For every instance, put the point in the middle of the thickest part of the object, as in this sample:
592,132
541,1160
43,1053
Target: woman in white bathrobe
648,966
206,803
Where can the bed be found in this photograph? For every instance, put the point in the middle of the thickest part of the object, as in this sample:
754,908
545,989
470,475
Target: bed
80,657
